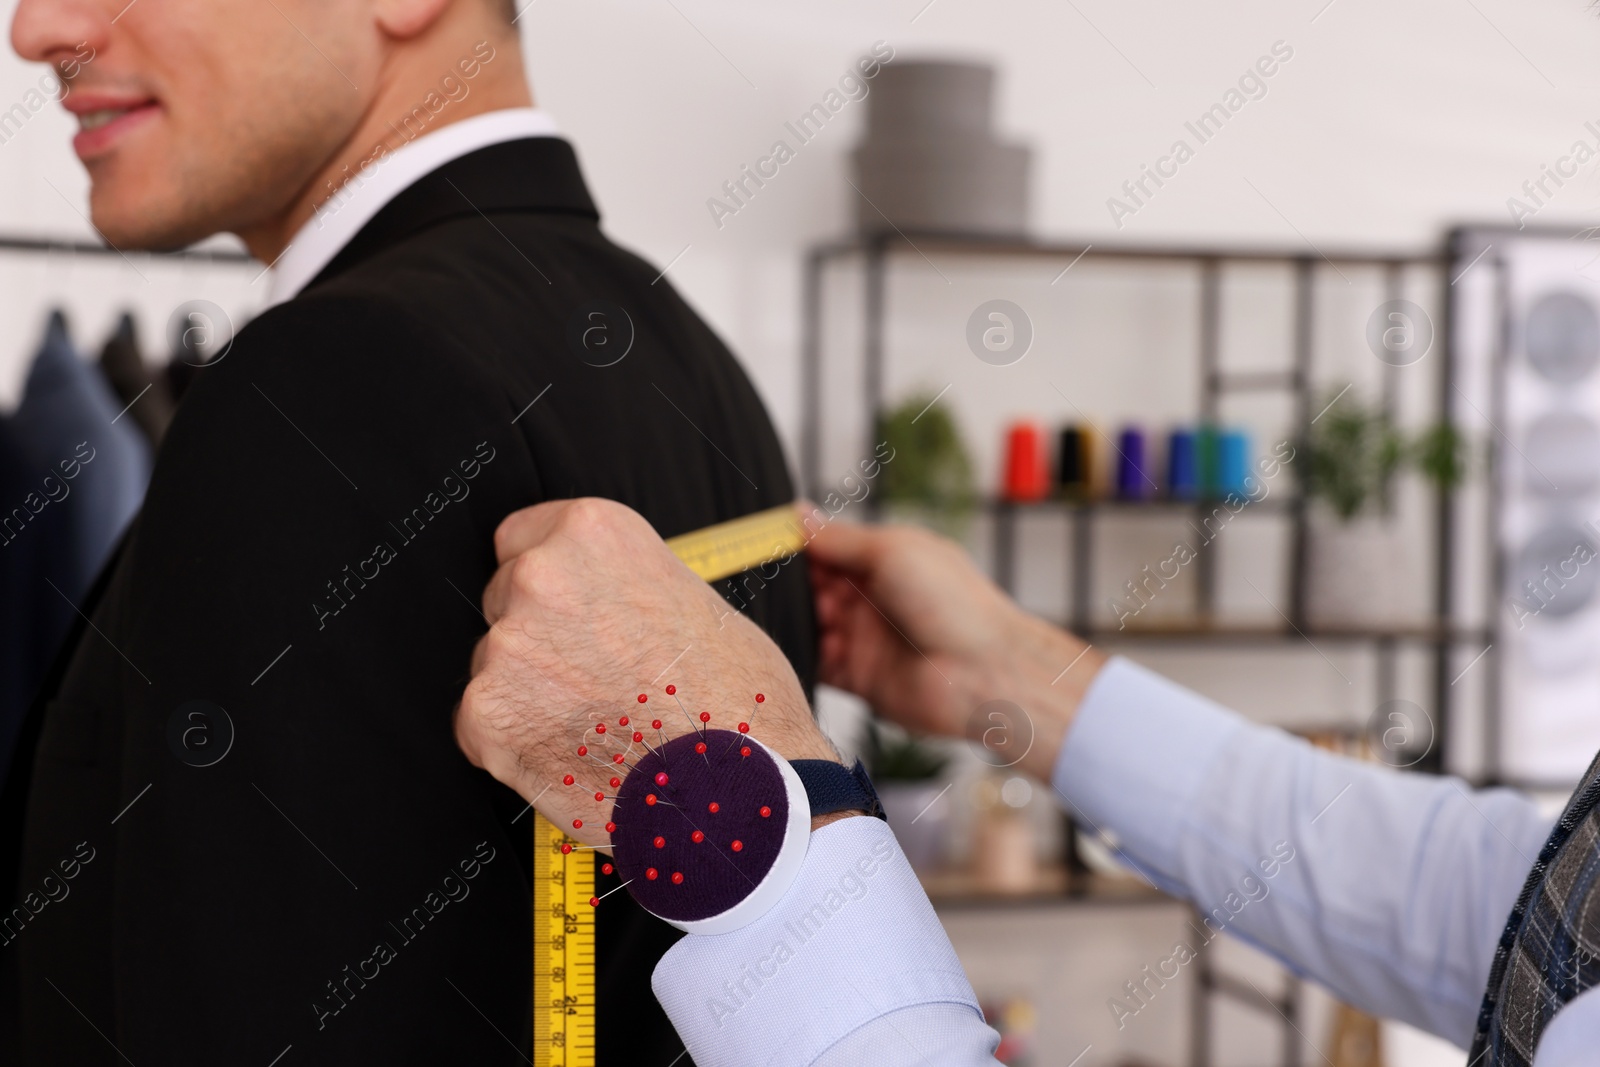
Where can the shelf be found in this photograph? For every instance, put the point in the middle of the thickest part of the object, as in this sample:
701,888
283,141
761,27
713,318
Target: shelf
1166,505
924,242
1420,632
1054,888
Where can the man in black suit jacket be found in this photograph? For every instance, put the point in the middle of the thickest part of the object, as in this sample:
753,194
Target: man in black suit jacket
245,829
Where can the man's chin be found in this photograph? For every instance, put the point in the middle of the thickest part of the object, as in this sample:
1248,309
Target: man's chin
138,224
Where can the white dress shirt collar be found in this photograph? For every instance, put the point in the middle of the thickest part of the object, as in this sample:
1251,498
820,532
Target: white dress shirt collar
364,195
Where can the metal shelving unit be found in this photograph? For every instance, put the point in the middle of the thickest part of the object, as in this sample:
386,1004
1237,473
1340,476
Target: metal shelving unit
1437,635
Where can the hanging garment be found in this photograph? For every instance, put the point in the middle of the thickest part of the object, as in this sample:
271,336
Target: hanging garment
73,474
146,393
68,413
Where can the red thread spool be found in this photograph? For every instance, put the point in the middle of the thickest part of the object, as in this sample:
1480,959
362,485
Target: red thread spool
737,846
677,877
650,873
1027,475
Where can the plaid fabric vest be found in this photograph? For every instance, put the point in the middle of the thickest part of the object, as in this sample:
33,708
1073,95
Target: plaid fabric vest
1550,951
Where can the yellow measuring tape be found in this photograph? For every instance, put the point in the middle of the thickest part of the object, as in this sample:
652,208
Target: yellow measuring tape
563,921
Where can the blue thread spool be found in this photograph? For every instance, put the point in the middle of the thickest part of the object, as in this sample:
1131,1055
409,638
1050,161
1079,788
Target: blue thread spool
1233,463
1133,474
1183,466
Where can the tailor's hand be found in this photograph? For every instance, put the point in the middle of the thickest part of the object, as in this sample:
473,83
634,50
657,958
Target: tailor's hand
910,625
589,609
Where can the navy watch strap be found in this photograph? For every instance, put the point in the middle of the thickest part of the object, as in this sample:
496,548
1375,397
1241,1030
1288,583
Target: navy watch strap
832,787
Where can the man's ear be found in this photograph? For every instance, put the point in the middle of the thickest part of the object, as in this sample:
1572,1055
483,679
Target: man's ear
404,19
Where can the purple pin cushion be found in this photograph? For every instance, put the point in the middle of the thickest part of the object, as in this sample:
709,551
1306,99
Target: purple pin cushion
711,830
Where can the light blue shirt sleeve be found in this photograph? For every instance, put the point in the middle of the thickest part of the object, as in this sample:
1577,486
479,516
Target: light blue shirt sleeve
1391,889
850,967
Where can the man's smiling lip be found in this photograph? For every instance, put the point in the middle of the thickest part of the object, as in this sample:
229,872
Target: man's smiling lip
104,118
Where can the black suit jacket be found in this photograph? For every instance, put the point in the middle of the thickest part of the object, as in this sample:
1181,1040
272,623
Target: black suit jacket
309,560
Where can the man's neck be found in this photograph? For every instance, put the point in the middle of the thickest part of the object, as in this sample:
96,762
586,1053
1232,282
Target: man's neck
412,103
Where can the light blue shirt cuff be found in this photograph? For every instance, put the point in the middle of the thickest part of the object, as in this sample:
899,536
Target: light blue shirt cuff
1139,752
853,942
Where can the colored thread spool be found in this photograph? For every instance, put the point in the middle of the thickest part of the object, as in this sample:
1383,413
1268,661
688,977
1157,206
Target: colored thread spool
1027,474
1133,474
1183,465
1233,463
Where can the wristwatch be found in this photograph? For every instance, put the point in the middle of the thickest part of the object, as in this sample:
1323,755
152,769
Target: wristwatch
832,787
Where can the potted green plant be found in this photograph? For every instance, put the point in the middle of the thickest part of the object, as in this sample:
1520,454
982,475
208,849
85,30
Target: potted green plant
930,480
908,774
1359,566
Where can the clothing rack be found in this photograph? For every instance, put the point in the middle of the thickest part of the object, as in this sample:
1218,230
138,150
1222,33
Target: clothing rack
25,243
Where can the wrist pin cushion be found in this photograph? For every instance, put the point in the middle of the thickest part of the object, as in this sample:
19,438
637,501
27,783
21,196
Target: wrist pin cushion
708,830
